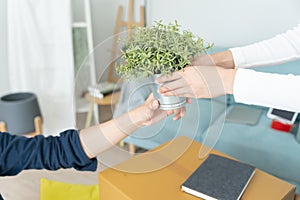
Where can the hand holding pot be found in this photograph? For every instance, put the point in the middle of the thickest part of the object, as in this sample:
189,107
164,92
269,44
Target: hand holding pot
198,82
150,113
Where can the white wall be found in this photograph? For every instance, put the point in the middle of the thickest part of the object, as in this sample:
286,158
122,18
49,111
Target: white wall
229,22
4,84
224,22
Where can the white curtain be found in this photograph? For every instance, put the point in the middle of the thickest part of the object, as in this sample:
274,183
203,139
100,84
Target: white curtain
40,57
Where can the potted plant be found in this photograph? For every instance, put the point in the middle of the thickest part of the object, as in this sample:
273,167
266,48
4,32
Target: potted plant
159,50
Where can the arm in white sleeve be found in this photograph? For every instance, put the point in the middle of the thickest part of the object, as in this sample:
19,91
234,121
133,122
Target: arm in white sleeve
279,49
267,89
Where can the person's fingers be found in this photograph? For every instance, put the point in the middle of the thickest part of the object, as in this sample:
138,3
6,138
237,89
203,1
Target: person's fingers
154,104
177,111
169,112
188,100
180,114
182,92
163,89
172,85
171,77
176,117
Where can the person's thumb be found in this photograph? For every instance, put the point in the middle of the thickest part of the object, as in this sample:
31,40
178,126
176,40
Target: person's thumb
154,104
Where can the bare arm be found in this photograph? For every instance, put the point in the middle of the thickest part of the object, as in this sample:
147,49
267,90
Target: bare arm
223,59
97,139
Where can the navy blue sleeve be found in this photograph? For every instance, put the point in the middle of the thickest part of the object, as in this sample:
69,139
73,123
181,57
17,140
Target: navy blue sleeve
53,152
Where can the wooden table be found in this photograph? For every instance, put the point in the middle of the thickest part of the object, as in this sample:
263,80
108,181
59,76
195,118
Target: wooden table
107,100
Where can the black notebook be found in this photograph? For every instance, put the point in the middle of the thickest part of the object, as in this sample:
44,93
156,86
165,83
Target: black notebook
219,178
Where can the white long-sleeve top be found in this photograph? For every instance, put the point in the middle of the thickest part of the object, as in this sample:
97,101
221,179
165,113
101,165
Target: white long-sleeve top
268,89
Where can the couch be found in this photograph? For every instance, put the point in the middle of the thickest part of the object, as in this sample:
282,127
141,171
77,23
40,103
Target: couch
273,151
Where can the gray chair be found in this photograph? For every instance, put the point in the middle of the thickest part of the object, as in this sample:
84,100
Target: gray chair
20,114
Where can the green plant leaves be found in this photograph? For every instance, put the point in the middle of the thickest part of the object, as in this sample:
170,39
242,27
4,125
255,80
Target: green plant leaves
159,49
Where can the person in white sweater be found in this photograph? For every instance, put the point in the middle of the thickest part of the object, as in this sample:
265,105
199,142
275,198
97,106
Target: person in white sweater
224,73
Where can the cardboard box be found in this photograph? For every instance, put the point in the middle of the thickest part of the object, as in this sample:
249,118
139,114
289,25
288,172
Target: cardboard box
158,174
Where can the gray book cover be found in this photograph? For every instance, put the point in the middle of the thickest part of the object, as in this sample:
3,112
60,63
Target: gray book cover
219,178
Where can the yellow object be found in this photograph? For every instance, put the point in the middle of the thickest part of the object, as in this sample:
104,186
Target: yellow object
54,190
174,162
